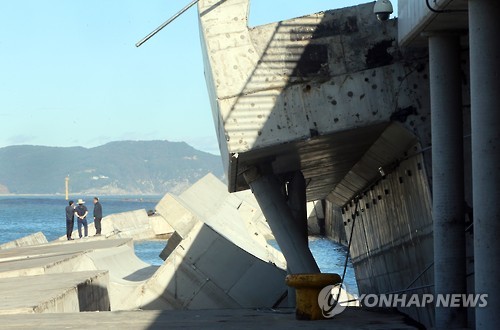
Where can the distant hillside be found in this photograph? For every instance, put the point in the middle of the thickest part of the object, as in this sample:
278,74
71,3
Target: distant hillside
127,167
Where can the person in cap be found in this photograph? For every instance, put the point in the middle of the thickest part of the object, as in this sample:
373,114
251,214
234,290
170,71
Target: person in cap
81,213
70,219
97,216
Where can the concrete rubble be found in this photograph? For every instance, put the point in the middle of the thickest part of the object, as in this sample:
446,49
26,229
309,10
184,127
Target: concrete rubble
220,260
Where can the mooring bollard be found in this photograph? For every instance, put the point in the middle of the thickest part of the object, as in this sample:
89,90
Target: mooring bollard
308,287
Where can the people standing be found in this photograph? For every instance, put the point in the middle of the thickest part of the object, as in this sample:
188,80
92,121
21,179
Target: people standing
70,219
82,212
97,216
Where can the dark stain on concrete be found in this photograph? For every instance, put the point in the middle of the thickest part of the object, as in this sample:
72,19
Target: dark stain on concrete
330,26
313,61
401,114
378,55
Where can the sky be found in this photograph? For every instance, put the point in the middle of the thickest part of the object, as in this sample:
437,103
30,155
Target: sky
71,75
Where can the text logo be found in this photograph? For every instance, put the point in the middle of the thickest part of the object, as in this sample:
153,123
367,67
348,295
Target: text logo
332,300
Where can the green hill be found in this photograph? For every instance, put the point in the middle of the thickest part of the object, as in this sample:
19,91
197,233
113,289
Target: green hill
127,167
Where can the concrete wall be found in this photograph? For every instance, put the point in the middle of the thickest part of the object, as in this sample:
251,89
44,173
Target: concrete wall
334,224
392,239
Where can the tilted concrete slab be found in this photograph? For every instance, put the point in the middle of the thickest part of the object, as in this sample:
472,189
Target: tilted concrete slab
125,270
33,239
207,271
64,257
230,228
219,249
237,217
55,293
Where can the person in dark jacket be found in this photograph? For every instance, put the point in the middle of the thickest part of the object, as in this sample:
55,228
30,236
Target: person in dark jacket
81,212
97,216
70,219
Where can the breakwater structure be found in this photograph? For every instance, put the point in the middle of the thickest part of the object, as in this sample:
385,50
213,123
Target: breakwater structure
391,125
218,271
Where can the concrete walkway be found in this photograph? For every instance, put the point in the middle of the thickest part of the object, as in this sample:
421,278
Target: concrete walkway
352,318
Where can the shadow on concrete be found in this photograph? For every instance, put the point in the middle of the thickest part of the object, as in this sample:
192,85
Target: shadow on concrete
92,297
141,274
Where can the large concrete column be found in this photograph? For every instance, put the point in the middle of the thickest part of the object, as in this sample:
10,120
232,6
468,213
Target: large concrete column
297,201
288,232
484,34
447,176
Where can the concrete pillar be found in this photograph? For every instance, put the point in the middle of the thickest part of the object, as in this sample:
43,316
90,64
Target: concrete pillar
484,41
447,176
288,232
297,201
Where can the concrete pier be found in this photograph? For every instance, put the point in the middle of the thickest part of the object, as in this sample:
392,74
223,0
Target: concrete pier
448,176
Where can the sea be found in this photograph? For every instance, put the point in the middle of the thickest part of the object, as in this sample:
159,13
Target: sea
25,215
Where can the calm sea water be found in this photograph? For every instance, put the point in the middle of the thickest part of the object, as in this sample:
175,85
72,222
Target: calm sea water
22,216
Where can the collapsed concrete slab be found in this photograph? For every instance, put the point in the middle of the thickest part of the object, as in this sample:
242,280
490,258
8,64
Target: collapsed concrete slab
235,216
207,271
66,257
218,256
218,250
125,271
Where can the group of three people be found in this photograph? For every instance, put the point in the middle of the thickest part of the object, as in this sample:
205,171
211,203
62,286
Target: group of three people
81,212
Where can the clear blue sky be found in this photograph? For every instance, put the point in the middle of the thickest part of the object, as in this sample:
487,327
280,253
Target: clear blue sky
70,74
